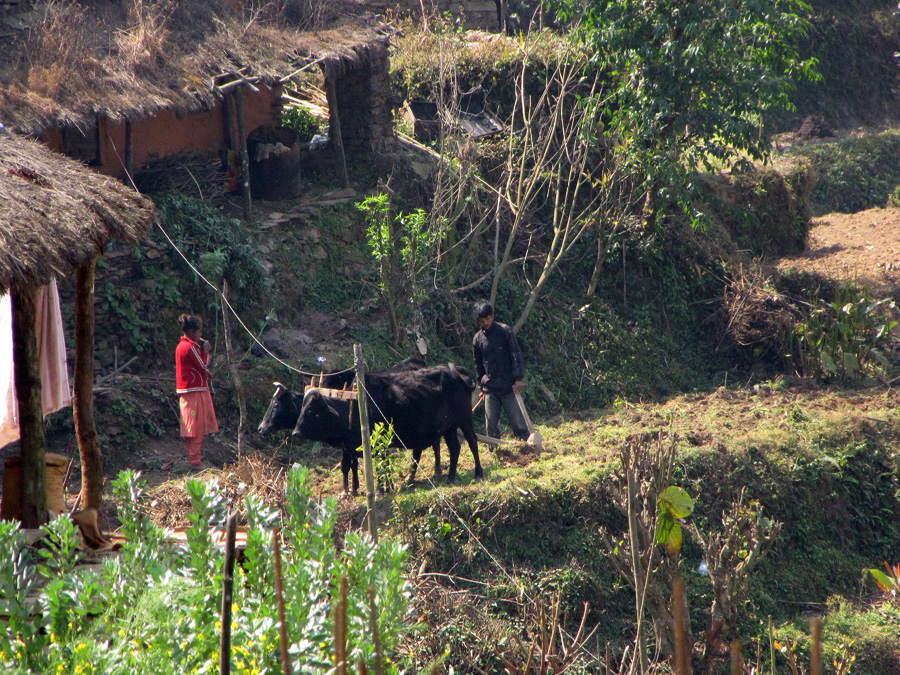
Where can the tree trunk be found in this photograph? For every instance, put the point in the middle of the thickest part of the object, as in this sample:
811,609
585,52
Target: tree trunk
83,400
334,132
31,417
602,249
245,155
640,579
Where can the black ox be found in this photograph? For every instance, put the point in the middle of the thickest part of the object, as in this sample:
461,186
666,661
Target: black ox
284,408
423,405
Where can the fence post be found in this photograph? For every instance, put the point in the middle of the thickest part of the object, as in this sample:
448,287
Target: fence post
361,400
227,587
279,597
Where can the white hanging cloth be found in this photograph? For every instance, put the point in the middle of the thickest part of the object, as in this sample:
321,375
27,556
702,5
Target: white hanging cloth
55,391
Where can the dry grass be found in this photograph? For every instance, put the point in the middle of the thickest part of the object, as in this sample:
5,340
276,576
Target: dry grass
131,59
253,474
55,213
303,14
420,55
56,47
142,43
758,317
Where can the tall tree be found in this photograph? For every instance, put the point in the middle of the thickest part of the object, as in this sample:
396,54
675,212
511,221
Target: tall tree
693,80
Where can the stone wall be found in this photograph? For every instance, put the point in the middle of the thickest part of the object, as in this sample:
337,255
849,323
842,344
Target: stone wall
365,103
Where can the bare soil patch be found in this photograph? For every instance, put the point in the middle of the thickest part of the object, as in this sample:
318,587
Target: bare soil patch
862,247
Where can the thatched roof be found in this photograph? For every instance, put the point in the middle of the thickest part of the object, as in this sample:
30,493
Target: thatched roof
55,213
128,59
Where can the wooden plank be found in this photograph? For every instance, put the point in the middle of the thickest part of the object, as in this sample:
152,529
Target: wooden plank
348,394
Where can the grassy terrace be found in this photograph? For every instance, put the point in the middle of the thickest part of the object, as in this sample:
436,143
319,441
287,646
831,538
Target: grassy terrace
822,461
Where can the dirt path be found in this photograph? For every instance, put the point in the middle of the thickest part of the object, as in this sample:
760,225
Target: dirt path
863,246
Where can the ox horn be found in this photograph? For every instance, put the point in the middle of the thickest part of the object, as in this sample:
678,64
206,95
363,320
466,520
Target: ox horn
278,385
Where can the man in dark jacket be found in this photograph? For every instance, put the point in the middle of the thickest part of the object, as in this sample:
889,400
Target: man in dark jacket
500,368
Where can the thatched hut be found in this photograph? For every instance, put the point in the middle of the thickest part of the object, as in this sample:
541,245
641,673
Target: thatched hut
117,83
55,219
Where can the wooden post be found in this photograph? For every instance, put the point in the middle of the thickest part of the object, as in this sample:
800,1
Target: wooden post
340,630
129,149
245,155
679,612
361,400
31,417
235,373
815,658
279,597
227,590
335,127
83,399
737,659
228,123
373,629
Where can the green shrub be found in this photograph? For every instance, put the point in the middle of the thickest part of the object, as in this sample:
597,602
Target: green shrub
300,120
894,197
855,173
156,610
849,337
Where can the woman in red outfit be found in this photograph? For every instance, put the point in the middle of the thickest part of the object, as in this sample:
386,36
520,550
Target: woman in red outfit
198,417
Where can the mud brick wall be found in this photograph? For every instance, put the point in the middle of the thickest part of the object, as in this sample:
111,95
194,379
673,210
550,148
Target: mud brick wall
365,103
472,14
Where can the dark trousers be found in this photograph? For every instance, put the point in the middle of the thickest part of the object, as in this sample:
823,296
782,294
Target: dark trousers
492,405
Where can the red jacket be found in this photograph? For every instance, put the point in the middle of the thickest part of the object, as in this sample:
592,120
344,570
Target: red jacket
191,373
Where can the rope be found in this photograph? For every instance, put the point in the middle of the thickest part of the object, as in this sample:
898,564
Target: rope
211,285
364,392
493,558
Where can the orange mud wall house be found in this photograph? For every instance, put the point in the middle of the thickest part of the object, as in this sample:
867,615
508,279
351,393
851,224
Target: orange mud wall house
169,133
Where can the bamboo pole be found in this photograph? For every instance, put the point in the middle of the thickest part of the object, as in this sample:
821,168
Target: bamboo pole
737,659
815,659
235,373
245,155
83,389
279,597
340,630
373,628
362,402
26,365
227,589
771,646
679,612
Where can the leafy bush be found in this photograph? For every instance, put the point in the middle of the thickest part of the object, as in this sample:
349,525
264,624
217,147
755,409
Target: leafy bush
385,458
764,210
848,337
302,121
855,173
118,302
222,245
894,197
156,610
